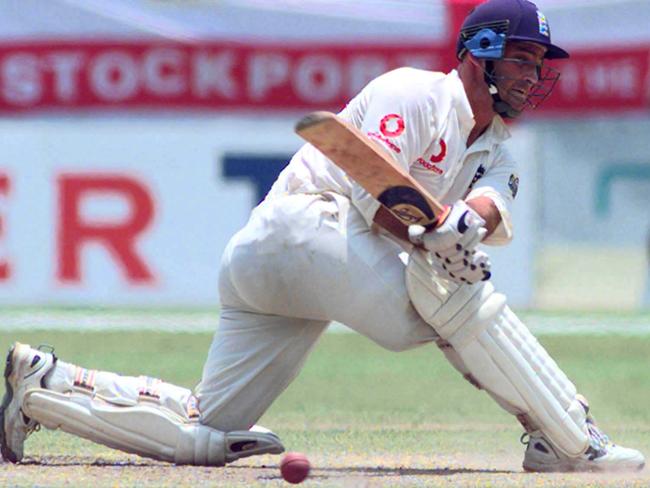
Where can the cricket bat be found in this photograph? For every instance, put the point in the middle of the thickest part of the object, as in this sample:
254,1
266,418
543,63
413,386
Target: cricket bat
371,167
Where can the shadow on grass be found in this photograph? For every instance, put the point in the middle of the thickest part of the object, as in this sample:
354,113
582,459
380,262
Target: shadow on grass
379,471
65,461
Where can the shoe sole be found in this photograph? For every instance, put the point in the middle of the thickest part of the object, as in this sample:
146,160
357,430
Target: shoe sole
7,453
581,468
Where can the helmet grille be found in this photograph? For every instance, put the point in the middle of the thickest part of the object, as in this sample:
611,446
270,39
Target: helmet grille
499,26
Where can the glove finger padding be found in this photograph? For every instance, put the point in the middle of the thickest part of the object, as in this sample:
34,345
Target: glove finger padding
457,261
458,266
469,241
462,249
483,266
471,270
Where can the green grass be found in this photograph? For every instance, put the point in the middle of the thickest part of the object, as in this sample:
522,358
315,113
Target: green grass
355,399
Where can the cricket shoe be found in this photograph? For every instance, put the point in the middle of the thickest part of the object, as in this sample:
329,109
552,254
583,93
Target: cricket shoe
602,455
25,370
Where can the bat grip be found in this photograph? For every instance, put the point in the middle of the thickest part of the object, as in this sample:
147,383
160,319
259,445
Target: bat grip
440,219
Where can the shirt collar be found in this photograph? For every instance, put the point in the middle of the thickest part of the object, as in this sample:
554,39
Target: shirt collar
496,132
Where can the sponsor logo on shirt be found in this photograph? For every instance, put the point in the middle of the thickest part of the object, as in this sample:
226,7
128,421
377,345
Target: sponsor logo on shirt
434,159
391,145
392,125
429,165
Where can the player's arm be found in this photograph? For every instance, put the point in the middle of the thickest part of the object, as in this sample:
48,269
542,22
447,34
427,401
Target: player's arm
450,233
488,211
492,197
483,217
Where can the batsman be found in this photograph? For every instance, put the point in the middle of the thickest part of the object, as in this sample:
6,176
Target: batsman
316,250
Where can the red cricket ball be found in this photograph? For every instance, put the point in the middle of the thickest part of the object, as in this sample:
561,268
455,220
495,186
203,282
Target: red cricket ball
294,467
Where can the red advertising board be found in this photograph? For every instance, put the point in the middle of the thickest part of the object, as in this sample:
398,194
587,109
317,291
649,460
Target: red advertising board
63,75
610,79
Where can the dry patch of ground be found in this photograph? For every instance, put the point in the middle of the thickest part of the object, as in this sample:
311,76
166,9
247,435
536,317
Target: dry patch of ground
346,469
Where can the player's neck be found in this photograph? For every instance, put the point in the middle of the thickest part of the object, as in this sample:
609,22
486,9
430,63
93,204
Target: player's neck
475,134
483,116
483,110
480,100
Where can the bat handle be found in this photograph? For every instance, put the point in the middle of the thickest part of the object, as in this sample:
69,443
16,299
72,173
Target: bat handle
416,233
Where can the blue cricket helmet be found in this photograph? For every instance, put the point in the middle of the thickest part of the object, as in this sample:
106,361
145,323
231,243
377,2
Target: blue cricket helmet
491,24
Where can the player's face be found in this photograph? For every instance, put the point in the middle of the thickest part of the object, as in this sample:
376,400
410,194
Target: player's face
518,72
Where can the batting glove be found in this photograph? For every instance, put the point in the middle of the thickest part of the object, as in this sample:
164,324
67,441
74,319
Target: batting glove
470,269
461,230
453,243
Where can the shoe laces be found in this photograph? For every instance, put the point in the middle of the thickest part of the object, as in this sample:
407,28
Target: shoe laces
597,438
31,425
35,427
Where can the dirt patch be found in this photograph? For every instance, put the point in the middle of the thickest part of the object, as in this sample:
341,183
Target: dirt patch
346,469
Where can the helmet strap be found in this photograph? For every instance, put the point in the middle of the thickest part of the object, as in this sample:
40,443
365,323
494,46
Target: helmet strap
504,109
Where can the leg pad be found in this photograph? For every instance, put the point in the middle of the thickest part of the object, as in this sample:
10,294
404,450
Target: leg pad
499,353
146,430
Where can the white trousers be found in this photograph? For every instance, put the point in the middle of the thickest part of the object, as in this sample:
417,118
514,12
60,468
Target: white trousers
301,262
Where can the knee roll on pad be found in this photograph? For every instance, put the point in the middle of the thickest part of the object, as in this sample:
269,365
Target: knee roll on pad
143,429
499,352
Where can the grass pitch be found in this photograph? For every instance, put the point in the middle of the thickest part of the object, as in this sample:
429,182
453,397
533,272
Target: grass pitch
364,416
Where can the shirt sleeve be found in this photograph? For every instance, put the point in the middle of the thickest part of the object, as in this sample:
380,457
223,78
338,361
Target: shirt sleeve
500,183
393,111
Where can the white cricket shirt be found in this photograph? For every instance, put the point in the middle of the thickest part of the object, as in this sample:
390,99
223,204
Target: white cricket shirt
423,119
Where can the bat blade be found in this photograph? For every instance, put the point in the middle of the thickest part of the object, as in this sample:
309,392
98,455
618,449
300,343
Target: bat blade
371,167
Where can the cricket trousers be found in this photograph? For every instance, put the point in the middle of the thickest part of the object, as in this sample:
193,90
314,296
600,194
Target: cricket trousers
300,262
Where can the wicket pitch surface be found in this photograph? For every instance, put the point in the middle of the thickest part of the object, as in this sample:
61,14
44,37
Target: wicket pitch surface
364,416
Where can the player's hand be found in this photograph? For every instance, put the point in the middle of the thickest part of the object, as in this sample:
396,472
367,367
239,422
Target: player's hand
470,268
453,244
458,234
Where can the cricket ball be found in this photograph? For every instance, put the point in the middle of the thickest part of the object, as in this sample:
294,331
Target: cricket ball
294,467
